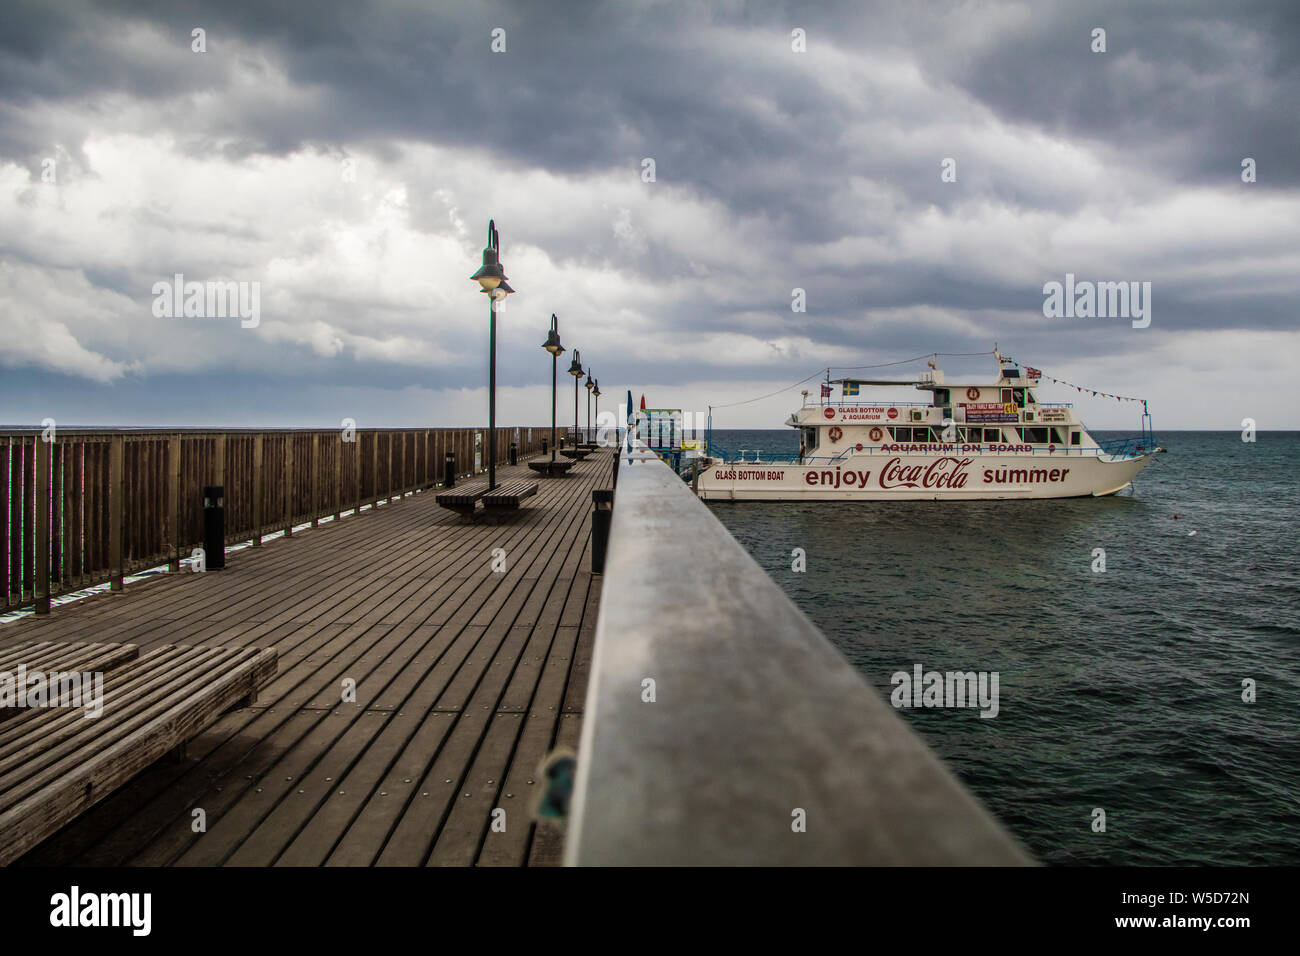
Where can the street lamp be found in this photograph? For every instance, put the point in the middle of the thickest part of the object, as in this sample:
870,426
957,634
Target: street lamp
493,280
575,369
595,393
589,385
552,345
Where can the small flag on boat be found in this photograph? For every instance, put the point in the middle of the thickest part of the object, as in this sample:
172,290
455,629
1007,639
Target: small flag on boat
826,389
850,388
1033,372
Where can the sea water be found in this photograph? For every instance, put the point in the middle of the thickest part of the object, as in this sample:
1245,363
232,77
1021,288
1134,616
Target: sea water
1120,689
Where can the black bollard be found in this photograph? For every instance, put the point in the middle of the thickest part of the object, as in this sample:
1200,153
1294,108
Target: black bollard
514,453
214,527
545,442
449,471
602,513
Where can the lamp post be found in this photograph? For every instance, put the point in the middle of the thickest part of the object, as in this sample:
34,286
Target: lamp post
493,280
595,393
575,369
589,385
552,345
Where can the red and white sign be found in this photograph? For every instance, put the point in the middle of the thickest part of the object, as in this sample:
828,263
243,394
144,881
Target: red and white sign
860,413
876,434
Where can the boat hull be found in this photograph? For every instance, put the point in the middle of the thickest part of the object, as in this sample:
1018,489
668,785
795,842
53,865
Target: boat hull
884,476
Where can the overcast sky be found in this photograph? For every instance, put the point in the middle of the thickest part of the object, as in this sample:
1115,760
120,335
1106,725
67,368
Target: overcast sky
347,156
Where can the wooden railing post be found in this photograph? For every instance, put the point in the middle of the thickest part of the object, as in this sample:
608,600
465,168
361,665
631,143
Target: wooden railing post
174,500
402,486
116,511
41,568
219,463
315,479
257,489
356,470
338,477
388,488
288,484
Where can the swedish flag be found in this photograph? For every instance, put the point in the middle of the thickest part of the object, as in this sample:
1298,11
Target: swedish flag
849,389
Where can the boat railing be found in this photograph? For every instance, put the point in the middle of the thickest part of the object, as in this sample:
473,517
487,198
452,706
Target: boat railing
869,404
1108,448
1131,446
761,723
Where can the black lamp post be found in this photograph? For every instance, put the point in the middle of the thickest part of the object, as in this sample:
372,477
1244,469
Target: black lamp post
575,369
493,280
589,385
595,393
552,345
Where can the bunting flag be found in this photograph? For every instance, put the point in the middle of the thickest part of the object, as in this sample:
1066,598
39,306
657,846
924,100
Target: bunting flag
1080,388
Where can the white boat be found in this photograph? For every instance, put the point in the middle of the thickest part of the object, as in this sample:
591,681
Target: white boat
971,440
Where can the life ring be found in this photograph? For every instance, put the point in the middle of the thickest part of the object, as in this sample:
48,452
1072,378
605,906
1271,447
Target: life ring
876,434
972,393
836,433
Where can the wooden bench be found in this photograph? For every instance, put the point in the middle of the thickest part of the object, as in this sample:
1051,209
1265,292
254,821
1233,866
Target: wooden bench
578,453
50,657
508,494
55,762
550,468
463,499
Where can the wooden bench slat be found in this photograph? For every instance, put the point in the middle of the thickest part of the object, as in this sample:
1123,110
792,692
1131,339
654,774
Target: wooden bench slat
47,754
509,494
465,496
10,656
109,656
48,728
117,682
172,722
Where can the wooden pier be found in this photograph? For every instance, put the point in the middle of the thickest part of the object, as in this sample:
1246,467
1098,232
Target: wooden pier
465,678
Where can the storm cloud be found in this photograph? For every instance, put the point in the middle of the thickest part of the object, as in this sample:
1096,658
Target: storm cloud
347,157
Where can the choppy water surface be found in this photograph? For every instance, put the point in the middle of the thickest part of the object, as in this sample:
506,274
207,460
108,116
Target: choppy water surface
1120,690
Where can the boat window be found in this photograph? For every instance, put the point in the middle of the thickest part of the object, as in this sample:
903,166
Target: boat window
1018,396
1057,437
1075,437
1033,399
1033,436
809,438
993,434
1006,396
